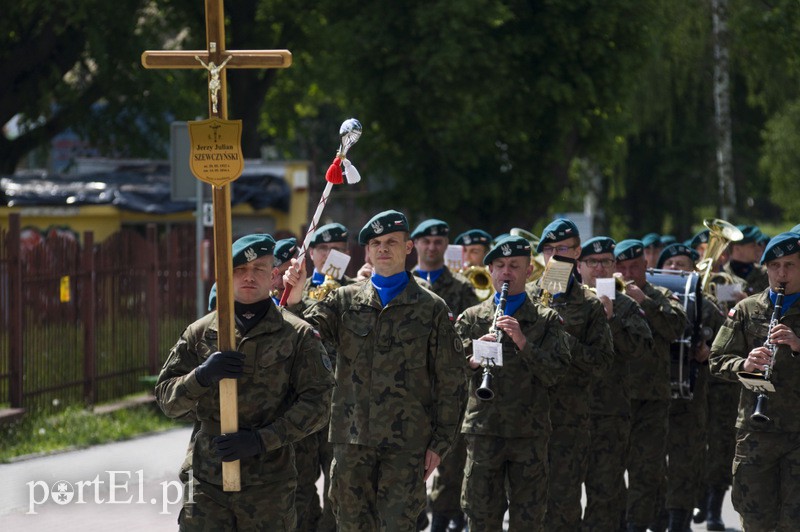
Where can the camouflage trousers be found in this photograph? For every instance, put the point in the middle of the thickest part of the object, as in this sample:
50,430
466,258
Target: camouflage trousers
445,496
766,484
605,473
723,403
312,455
268,507
376,489
568,458
505,474
686,450
645,459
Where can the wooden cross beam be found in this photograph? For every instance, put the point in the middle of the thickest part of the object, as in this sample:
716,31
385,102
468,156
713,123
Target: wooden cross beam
216,59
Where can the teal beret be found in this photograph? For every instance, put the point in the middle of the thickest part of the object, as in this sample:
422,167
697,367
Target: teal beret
762,238
432,227
500,237
780,246
284,250
673,250
700,238
510,246
381,224
651,239
628,249
212,297
329,233
597,246
795,229
251,247
474,237
666,240
750,234
556,231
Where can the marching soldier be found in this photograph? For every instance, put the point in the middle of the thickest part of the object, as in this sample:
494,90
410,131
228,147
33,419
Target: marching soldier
688,418
430,240
744,256
609,415
592,354
650,386
476,244
765,487
284,386
400,383
326,238
507,436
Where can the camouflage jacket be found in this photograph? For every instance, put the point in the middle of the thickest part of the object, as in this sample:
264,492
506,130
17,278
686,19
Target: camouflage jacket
590,347
284,393
400,373
520,407
611,394
650,373
745,329
756,280
454,288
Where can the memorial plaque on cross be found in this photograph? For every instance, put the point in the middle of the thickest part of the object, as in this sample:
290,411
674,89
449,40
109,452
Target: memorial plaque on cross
216,159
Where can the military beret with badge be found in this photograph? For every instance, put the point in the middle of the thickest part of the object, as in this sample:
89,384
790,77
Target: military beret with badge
474,237
251,247
432,227
795,229
556,231
333,232
780,246
651,239
597,246
284,250
675,250
628,249
381,224
701,237
750,234
510,246
666,240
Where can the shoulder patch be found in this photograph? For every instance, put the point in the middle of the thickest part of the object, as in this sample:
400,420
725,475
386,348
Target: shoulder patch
316,333
457,344
450,316
326,361
642,312
732,313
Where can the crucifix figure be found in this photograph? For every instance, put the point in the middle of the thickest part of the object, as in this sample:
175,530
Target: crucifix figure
216,60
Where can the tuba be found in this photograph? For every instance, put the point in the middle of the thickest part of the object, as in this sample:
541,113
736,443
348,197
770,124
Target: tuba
480,279
536,258
720,234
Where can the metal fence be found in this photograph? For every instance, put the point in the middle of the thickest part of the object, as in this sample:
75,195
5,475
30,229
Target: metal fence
84,322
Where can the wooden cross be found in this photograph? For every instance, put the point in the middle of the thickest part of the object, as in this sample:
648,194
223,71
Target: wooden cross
216,59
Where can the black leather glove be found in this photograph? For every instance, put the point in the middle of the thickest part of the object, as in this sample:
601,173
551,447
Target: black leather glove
238,445
220,365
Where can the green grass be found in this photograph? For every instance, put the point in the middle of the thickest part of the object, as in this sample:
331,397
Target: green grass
75,428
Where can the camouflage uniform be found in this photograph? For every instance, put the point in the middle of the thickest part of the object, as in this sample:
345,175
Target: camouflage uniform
507,436
650,394
445,494
592,354
284,394
765,483
755,281
609,421
400,390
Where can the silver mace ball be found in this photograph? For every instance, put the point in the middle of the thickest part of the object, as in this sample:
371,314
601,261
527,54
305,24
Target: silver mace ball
350,132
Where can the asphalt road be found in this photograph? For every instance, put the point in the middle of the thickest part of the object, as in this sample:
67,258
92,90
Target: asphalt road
130,485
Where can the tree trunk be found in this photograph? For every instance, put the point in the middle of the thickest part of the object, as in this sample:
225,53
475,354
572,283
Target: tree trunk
722,111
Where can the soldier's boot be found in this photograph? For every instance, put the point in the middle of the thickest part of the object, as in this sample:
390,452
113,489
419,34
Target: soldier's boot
714,518
439,522
422,521
457,523
699,513
679,520
662,521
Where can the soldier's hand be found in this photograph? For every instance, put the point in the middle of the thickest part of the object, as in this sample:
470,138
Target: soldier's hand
238,445
295,277
365,272
608,305
635,293
757,359
510,326
783,335
432,461
702,352
220,365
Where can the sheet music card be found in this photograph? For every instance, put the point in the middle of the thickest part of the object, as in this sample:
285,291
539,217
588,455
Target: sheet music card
606,287
336,264
557,274
454,257
491,352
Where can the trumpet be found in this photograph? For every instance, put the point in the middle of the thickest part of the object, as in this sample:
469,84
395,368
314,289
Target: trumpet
484,391
758,415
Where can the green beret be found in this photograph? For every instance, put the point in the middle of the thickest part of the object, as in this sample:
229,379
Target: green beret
700,238
474,237
750,234
432,227
780,246
556,231
381,224
510,246
329,233
673,250
795,229
628,249
500,237
284,250
651,239
598,245
251,247
666,240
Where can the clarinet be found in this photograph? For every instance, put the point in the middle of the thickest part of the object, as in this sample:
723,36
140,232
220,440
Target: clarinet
759,416
484,391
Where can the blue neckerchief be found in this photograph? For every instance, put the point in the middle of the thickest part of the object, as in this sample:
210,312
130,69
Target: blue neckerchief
276,301
430,276
788,301
318,278
389,287
512,302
